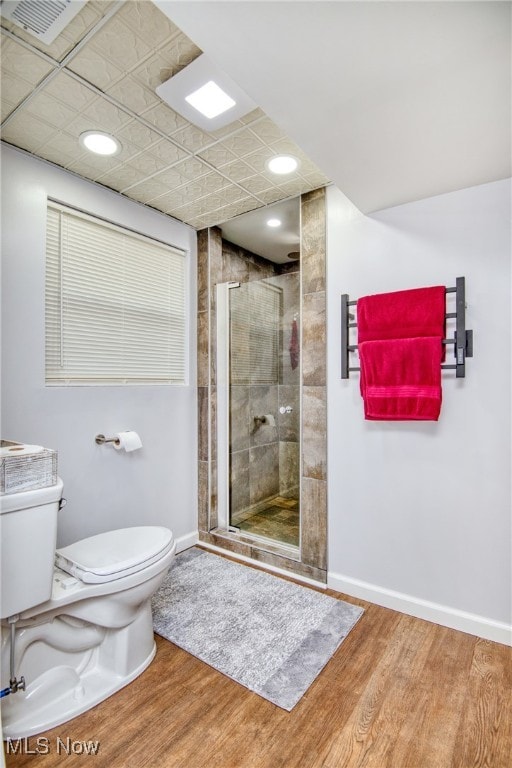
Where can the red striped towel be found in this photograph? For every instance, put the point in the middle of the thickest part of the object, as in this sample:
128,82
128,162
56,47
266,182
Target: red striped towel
401,379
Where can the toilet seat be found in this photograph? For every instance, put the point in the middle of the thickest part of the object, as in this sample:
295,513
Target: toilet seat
112,555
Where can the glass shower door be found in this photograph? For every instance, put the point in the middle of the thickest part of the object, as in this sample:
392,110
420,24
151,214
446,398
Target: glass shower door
264,409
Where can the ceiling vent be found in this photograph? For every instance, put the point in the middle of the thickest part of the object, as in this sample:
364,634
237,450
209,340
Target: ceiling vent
44,19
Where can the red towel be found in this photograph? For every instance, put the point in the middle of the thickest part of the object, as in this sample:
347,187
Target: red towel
294,346
402,314
401,379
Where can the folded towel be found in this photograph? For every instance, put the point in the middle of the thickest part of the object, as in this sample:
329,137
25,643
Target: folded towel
402,314
401,379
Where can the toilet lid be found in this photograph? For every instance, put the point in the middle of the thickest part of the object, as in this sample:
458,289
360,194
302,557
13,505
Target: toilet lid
114,554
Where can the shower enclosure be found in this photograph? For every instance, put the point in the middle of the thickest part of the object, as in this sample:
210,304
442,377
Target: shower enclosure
258,356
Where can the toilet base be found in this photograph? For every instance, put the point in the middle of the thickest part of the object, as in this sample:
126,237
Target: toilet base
60,694
70,665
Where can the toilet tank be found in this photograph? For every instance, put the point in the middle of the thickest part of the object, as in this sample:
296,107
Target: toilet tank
28,537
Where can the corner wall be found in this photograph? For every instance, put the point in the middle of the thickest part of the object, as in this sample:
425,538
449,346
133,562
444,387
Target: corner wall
420,513
105,489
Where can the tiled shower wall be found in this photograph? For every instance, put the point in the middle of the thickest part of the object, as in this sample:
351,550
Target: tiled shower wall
218,264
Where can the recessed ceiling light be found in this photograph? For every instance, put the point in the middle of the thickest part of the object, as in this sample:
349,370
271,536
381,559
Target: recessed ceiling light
274,223
282,164
100,143
210,100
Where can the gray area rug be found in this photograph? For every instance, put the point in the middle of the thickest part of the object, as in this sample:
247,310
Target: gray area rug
270,635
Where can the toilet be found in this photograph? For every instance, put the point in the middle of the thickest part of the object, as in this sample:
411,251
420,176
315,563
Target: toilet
81,614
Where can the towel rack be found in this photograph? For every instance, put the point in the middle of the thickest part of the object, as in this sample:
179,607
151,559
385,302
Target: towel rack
462,339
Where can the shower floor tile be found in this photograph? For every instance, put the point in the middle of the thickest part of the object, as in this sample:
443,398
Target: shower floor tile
279,521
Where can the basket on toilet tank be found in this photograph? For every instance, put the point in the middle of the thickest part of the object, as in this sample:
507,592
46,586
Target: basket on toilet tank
26,467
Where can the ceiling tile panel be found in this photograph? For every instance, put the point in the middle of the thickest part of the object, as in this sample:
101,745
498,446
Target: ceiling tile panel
119,44
272,195
97,70
267,131
171,201
316,179
256,114
120,178
20,62
258,160
6,108
14,89
147,190
193,168
146,20
167,61
69,91
172,177
145,164
139,134
243,143
164,118
237,170
256,184
92,167
132,94
61,148
131,48
25,131
167,152
218,155
50,110
192,138
105,116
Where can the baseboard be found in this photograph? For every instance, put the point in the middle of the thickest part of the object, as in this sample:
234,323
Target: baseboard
471,623
187,541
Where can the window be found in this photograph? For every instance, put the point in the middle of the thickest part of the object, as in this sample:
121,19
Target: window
115,304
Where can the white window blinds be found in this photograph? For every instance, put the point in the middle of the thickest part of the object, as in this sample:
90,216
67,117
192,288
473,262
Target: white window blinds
115,304
255,310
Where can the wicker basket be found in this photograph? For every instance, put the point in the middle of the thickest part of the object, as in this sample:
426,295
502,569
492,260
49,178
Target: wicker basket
25,468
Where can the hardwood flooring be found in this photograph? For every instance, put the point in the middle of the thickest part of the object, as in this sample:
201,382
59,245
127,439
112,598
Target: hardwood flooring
398,693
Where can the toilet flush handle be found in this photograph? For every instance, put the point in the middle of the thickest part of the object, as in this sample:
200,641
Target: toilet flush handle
62,504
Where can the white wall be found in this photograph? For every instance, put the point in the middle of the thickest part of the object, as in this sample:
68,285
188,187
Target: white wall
420,513
105,489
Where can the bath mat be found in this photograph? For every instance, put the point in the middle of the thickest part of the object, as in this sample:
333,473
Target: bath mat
270,635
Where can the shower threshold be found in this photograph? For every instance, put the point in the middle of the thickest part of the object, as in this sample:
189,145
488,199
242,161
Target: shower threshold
260,542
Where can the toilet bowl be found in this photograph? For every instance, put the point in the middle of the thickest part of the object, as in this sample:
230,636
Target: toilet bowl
82,614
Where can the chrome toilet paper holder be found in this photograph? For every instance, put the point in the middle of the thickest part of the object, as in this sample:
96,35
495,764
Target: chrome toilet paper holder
101,439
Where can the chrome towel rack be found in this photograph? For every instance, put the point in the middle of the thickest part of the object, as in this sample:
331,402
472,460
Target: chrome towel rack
462,339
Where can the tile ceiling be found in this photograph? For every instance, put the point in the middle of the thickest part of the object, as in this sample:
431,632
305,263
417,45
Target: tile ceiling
101,73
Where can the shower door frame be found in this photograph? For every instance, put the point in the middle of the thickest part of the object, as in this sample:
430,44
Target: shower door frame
223,336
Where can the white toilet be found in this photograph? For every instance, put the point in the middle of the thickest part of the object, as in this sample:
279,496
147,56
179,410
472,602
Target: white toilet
82,614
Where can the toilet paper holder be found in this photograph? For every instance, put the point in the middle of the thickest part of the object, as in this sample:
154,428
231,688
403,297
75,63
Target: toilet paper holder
122,441
101,439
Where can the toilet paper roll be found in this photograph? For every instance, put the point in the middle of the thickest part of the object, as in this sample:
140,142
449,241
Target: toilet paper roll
20,449
127,441
269,419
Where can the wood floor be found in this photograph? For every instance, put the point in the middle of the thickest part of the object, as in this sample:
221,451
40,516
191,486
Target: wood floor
398,693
